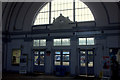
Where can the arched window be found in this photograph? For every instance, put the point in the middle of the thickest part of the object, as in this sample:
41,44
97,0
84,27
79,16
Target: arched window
74,9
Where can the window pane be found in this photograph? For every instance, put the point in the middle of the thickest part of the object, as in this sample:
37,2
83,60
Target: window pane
64,7
16,56
57,57
35,60
41,52
82,52
35,42
43,42
66,52
65,58
43,16
36,52
82,61
90,41
90,64
90,52
82,64
57,52
82,12
90,57
82,41
57,63
65,42
57,42
66,63
41,59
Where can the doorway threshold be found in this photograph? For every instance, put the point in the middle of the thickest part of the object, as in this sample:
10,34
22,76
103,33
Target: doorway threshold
86,76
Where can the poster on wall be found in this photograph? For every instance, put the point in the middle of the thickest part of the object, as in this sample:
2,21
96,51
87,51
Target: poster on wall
16,56
106,62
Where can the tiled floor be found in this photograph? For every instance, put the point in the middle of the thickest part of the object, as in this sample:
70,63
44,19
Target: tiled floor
44,77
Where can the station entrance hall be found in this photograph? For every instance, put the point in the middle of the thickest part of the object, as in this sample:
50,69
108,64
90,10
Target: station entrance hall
61,40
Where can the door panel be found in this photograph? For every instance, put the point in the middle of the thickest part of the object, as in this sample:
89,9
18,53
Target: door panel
83,62
61,61
90,62
38,60
86,62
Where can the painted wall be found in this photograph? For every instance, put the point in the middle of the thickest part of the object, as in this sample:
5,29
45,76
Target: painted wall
101,48
27,49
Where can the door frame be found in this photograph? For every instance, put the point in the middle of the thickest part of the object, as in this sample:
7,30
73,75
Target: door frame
86,62
61,64
40,68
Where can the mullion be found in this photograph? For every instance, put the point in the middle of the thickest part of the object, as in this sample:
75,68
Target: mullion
49,12
74,10
69,57
39,58
61,59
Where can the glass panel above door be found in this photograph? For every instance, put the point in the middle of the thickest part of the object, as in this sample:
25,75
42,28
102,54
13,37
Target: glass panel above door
35,42
57,42
42,42
39,42
90,41
61,42
66,42
86,41
82,41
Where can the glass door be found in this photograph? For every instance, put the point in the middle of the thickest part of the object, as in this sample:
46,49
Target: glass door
62,58
86,62
61,61
39,60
